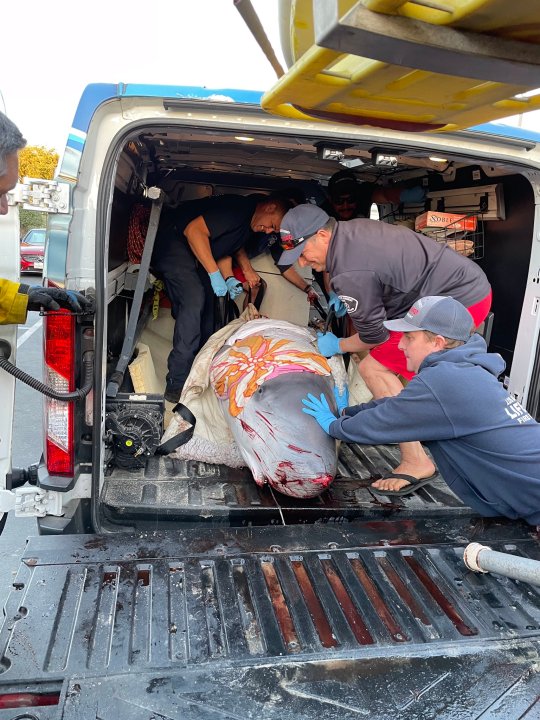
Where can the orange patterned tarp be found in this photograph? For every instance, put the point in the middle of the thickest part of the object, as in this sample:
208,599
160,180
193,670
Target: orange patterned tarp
237,373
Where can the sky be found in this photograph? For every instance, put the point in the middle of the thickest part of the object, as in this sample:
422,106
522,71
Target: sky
55,50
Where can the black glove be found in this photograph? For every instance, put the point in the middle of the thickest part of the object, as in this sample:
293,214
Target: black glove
55,298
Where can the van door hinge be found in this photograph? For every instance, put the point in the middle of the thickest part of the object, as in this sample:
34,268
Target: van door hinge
31,502
44,195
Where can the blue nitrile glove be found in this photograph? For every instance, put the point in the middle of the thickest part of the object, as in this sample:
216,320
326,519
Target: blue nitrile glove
342,398
319,409
55,298
328,344
219,286
336,304
416,194
234,287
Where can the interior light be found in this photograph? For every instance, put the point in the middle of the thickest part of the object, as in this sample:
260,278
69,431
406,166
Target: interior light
244,138
385,160
325,152
434,158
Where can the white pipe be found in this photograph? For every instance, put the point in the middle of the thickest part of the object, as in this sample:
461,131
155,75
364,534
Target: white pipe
483,559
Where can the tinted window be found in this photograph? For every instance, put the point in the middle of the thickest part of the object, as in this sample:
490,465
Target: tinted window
34,237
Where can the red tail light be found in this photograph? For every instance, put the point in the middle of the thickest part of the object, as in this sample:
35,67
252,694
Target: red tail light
21,700
59,339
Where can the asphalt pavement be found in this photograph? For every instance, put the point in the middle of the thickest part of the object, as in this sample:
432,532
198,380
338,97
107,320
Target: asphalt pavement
27,445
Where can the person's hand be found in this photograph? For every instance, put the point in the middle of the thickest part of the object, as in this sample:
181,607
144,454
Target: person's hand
320,410
342,398
253,279
234,287
55,298
219,286
328,344
312,295
416,194
336,304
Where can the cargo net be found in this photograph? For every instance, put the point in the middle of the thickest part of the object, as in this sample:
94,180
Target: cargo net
462,233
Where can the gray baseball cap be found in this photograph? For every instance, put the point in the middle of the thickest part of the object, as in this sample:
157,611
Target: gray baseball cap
297,226
439,314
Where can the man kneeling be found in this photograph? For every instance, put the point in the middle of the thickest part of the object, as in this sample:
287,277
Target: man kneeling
485,444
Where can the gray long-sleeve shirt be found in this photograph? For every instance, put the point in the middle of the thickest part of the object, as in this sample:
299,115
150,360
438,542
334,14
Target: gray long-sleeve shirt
379,270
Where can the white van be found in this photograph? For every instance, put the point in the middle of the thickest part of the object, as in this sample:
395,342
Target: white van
193,142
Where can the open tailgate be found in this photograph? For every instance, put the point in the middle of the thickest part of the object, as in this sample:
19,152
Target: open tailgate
285,622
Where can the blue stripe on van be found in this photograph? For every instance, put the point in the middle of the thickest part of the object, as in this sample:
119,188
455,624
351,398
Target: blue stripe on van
252,97
507,131
93,95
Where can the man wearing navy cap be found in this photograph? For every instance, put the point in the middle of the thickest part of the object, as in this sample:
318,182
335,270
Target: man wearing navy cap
485,444
376,272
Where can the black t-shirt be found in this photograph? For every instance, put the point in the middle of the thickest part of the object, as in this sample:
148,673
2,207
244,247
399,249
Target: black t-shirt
227,217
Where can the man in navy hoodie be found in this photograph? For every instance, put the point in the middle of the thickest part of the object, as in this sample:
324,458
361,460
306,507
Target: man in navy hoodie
485,444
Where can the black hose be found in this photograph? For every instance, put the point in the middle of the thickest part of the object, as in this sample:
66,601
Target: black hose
79,394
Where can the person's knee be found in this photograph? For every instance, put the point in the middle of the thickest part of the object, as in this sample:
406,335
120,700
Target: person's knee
369,368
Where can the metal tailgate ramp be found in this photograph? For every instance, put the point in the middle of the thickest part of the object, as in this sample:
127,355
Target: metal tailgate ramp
277,623
410,65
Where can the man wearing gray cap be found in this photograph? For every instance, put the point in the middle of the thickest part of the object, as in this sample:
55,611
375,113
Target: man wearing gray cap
377,271
485,444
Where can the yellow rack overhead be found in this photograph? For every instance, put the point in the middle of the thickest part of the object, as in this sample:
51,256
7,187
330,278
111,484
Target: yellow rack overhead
435,65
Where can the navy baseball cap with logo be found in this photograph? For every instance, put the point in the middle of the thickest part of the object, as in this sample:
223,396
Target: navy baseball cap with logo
439,314
297,226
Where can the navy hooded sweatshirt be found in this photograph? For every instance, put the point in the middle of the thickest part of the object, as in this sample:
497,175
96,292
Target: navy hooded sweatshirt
485,444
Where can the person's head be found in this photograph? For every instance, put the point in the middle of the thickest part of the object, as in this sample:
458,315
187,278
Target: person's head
306,231
293,193
433,323
344,194
269,213
11,141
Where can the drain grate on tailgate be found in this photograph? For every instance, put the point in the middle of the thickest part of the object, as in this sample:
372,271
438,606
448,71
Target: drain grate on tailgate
130,611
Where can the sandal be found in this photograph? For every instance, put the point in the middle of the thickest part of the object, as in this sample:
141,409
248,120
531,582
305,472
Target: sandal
414,484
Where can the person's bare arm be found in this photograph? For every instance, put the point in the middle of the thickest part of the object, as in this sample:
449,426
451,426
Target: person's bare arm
296,279
198,237
354,344
326,279
253,279
225,266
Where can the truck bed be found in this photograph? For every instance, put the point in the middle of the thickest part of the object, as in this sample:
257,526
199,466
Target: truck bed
202,493
370,618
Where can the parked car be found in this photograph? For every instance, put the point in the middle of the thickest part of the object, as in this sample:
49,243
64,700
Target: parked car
32,249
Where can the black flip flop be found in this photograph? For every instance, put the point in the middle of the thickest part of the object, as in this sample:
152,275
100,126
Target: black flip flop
414,484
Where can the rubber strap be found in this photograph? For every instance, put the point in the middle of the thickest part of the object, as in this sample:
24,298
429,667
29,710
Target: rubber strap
182,437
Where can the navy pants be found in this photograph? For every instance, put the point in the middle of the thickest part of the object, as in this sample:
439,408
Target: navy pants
192,301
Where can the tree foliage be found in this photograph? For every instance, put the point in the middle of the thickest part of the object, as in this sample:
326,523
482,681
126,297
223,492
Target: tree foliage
36,161
29,219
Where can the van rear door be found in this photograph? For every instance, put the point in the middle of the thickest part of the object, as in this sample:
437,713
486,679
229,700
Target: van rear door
50,196
9,269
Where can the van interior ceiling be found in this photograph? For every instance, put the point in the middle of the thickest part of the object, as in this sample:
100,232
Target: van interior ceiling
191,163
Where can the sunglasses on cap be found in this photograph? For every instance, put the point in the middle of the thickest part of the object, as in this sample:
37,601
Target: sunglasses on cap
288,242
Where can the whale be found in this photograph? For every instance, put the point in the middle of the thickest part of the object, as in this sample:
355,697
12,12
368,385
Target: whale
259,377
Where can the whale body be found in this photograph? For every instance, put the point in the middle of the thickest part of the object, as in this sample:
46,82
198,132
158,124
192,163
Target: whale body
260,377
